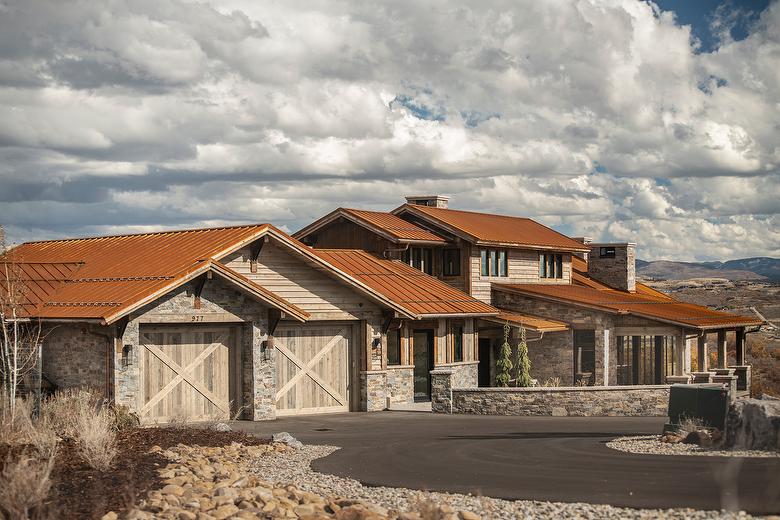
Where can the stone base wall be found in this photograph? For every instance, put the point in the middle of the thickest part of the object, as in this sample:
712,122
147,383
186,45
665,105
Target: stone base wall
464,375
441,391
373,391
618,401
552,357
400,384
78,355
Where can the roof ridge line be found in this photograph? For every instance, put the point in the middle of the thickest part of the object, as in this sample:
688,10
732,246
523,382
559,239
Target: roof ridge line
163,232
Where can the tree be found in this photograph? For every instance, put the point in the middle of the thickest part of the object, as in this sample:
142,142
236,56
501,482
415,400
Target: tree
504,363
522,362
19,336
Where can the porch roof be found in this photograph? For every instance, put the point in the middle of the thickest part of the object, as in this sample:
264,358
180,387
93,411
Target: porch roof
529,322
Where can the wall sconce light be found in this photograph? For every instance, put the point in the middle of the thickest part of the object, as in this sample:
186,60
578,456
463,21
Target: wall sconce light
266,347
127,356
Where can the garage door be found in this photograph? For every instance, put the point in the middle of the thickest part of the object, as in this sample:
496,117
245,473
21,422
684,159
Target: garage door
312,368
186,373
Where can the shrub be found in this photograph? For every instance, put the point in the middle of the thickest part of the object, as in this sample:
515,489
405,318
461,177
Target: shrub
552,382
18,427
504,363
96,437
123,418
24,486
522,362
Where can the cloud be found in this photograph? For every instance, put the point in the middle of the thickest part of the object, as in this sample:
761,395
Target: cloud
599,117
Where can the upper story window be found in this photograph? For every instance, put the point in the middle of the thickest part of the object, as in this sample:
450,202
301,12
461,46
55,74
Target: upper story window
494,262
420,258
607,252
550,265
451,262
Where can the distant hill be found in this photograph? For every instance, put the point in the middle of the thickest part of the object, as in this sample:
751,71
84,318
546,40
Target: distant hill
759,268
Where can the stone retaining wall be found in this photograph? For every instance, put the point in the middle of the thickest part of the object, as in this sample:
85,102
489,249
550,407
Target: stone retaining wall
591,401
400,384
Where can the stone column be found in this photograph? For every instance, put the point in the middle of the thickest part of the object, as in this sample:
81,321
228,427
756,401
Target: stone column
702,353
688,342
722,349
740,346
441,390
264,372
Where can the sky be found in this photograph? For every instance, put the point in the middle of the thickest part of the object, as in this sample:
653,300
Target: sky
625,120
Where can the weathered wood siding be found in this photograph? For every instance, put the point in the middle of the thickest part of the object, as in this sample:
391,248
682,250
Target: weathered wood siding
345,234
302,284
523,268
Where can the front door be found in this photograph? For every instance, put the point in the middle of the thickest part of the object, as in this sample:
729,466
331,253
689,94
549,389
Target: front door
423,363
484,362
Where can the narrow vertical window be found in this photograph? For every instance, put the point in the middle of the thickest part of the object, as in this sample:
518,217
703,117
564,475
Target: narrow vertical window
542,266
485,263
559,266
457,344
493,262
502,263
393,347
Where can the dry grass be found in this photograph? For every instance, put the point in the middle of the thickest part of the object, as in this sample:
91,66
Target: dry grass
24,486
551,382
96,437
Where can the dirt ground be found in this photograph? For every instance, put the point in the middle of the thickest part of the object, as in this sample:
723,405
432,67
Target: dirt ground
79,491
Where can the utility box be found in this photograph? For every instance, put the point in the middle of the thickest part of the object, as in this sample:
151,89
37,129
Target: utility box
706,402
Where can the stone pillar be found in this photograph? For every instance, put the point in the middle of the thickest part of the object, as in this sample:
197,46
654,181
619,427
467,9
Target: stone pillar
729,382
742,372
678,380
740,347
688,342
441,390
264,374
722,349
702,353
606,357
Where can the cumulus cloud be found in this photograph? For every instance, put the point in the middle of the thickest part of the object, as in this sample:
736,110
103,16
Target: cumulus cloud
599,117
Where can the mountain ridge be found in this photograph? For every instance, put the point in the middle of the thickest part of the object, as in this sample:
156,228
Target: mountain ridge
759,268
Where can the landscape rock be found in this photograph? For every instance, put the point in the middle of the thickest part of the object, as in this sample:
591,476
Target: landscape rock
753,424
287,439
220,427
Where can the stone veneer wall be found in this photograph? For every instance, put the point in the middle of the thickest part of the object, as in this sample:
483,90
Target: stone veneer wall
400,384
77,355
464,375
373,390
589,401
552,356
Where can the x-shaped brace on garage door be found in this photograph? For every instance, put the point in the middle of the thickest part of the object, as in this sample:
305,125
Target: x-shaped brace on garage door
184,374
306,370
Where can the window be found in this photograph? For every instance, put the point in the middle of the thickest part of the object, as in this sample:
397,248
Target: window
457,343
607,252
393,347
585,357
451,262
645,360
550,265
494,262
420,258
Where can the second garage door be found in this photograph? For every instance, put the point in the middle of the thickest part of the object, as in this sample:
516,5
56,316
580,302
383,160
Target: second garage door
313,368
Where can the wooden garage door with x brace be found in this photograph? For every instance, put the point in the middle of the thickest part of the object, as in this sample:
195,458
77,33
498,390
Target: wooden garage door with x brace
187,372
312,368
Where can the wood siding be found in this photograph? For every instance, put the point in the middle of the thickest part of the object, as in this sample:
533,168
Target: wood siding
302,284
523,268
345,234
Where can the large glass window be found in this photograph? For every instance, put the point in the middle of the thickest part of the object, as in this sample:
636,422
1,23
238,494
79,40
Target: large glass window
585,357
451,262
494,262
393,347
420,258
457,343
645,360
550,265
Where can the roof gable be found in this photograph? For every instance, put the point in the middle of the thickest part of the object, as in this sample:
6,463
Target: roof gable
385,224
490,229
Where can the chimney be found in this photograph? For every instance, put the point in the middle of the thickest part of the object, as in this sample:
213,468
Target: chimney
437,201
2,239
585,241
613,264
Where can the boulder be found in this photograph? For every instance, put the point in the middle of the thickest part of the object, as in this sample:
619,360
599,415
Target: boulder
221,427
753,424
287,439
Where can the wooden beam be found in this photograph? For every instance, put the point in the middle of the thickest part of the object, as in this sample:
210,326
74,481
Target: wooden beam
199,284
741,346
254,253
658,351
387,320
274,315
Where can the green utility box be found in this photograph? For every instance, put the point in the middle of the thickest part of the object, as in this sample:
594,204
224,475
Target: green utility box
708,402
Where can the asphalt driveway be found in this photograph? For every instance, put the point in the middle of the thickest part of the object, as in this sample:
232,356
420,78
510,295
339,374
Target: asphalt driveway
533,458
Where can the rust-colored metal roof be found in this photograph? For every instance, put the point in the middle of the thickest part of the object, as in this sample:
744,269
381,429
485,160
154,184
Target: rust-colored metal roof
529,322
623,302
490,229
416,292
386,224
103,277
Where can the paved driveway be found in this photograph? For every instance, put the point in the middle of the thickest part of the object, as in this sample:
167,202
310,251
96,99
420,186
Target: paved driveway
537,458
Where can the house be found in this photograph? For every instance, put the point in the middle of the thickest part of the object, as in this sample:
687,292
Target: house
238,321
591,322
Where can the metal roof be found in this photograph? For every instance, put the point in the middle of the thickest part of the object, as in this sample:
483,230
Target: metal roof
418,293
528,322
490,229
386,224
105,277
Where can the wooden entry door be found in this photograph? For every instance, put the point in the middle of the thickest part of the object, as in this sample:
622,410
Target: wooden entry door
186,373
312,368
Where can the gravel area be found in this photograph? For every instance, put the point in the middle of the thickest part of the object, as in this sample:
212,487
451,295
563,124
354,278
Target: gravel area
295,467
652,445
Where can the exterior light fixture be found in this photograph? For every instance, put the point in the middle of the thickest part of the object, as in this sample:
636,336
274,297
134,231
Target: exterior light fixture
266,347
127,356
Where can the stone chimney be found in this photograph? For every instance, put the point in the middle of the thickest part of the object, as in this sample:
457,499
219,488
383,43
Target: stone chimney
437,201
613,264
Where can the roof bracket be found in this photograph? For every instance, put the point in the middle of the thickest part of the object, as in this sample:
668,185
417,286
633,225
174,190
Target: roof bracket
121,326
199,284
387,320
274,315
254,253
